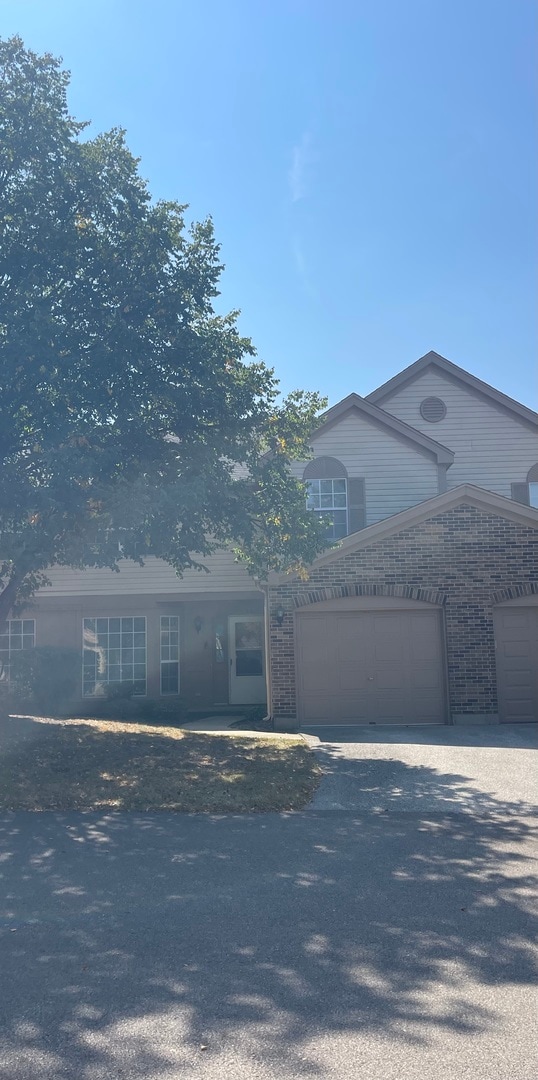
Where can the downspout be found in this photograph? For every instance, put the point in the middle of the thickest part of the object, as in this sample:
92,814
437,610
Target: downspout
267,648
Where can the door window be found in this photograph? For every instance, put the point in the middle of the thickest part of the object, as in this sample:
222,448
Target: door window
248,648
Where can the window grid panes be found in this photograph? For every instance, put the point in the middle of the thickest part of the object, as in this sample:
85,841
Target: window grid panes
533,494
328,498
169,654
19,634
114,652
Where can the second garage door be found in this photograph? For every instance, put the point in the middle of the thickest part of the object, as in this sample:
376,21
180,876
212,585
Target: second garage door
370,666
516,639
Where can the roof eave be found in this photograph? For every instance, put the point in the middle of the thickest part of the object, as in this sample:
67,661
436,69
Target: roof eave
443,454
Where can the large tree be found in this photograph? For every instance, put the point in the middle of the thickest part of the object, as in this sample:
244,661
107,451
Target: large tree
133,418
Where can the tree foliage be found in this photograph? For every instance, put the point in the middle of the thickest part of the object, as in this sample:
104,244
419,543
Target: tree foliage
133,417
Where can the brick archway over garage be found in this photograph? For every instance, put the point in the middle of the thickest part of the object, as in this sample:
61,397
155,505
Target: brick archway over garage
337,592
515,592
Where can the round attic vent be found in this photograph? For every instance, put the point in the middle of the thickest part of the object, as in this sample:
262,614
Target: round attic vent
433,409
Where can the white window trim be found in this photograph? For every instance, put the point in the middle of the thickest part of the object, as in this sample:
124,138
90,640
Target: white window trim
4,672
88,697
324,511
169,693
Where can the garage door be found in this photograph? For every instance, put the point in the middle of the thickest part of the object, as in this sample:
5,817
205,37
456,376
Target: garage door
370,667
516,640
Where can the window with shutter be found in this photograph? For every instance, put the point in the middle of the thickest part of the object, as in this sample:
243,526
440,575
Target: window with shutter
527,493
335,496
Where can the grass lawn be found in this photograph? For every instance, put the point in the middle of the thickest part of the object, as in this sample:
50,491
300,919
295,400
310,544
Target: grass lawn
48,764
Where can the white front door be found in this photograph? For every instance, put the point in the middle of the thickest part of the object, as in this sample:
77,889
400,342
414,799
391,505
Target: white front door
247,660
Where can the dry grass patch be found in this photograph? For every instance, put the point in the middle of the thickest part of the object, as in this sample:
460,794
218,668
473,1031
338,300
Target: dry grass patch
49,764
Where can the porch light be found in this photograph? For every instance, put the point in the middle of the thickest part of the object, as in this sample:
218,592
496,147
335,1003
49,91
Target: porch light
279,616
198,624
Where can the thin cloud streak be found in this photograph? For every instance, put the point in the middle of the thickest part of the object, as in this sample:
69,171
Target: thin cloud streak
301,267
301,158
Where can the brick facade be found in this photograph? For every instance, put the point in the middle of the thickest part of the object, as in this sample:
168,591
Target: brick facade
464,560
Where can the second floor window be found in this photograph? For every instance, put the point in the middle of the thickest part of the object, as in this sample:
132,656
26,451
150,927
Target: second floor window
328,498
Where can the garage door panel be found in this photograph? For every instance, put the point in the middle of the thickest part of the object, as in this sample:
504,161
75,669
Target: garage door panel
316,706
520,710
387,650
351,639
314,679
517,647
428,708
387,624
520,691
423,676
389,676
514,622
395,708
389,708
370,667
331,709
518,673
351,677
353,708
311,630
423,639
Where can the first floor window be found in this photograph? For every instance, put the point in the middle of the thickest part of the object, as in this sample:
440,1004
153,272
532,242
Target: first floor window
19,634
114,652
328,498
169,654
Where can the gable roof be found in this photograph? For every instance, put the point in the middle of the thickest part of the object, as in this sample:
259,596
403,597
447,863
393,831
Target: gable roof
468,494
433,359
355,403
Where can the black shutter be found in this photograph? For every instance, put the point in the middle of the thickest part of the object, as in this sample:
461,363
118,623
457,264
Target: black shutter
520,493
356,514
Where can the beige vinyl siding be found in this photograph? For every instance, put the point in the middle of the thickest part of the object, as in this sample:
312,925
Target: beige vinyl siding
396,474
493,448
155,576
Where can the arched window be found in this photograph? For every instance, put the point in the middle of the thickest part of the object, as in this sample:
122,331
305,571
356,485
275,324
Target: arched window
532,481
335,496
528,492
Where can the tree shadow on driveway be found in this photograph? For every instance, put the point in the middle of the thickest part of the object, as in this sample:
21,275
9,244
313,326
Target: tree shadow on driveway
366,783
129,941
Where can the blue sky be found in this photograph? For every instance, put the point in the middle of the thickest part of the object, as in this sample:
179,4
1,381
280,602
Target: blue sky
370,166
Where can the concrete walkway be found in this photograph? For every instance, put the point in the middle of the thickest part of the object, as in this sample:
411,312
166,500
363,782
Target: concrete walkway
219,725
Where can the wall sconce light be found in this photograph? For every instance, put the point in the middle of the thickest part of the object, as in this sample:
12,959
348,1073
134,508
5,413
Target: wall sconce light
279,616
197,624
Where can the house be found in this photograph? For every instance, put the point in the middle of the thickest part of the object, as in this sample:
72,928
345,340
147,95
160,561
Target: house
423,610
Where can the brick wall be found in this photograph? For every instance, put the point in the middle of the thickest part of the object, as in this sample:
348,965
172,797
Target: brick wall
464,560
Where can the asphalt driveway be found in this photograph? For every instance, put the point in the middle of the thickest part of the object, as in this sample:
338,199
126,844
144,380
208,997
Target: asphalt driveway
427,769
394,940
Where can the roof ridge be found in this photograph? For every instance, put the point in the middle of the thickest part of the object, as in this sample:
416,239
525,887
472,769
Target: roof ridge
458,372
